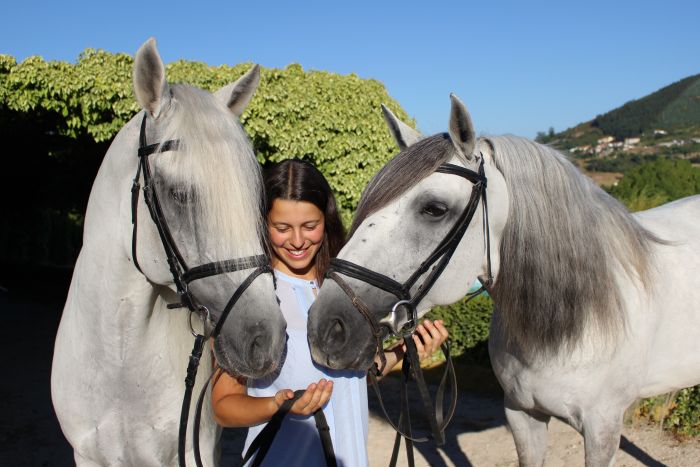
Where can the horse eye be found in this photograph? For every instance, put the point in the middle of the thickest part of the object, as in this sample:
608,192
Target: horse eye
434,209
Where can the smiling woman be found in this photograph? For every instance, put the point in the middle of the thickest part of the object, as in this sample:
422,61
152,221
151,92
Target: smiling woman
304,233
304,226
296,234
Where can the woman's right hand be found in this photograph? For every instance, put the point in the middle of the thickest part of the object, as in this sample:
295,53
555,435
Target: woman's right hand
315,397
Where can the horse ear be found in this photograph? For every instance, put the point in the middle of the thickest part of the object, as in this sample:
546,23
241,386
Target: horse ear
403,134
237,95
150,85
461,128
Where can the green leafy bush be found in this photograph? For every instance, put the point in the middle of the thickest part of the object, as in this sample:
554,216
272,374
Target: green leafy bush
623,162
678,412
685,416
63,116
468,323
654,183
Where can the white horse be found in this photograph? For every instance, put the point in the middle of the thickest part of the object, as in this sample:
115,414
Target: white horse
595,307
120,357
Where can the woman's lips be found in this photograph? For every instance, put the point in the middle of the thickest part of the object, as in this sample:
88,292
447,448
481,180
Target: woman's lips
297,254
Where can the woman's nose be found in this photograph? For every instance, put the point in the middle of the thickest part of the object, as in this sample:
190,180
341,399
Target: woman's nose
297,240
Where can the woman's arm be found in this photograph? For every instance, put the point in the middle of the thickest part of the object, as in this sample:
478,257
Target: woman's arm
233,407
429,336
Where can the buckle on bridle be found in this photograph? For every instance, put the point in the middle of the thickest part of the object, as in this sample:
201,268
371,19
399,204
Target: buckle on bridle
391,320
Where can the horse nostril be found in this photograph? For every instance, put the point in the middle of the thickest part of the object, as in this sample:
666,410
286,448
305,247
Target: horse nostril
257,344
336,333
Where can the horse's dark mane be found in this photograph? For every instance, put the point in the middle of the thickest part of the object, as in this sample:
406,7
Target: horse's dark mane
561,250
401,173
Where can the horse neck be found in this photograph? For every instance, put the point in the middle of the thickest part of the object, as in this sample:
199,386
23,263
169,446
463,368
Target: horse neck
107,280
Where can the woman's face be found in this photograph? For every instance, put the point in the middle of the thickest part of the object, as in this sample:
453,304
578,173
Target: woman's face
296,232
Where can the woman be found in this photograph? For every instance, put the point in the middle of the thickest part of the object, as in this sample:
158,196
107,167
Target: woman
305,232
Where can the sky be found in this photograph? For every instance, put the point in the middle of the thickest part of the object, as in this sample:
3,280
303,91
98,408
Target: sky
519,66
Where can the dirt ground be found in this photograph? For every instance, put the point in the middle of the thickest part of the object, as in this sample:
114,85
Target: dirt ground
478,436
30,435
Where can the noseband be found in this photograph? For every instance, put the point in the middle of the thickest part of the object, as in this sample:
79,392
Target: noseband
437,260
182,274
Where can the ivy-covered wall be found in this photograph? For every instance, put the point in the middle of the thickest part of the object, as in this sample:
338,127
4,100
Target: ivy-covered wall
61,116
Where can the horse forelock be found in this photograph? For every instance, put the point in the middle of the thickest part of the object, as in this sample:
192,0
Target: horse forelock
216,160
563,243
401,173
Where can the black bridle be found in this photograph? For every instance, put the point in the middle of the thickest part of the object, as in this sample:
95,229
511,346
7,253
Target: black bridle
434,265
182,274
438,260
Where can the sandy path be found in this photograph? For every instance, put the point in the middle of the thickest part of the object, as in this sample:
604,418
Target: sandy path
478,436
30,436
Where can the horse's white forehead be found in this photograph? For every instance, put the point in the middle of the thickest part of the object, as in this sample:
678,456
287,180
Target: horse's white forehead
451,189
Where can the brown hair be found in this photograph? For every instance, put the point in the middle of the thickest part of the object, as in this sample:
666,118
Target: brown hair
298,180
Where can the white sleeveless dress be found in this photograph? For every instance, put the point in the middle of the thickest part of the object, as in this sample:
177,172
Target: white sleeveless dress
298,443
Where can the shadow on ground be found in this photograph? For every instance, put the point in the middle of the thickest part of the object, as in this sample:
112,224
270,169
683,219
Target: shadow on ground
29,316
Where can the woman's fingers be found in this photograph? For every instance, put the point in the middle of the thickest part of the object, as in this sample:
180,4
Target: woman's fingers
444,334
315,397
436,337
326,392
429,336
419,345
300,405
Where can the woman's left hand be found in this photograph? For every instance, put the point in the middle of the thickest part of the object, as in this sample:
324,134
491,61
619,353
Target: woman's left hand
428,337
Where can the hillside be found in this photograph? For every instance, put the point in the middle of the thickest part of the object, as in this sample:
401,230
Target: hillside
664,124
676,105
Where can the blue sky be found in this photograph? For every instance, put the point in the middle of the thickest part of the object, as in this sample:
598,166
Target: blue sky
520,67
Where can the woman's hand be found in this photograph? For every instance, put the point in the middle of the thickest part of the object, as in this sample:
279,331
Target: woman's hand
315,397
428,337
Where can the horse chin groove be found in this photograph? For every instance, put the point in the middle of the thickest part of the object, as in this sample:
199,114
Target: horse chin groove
255,367
343,360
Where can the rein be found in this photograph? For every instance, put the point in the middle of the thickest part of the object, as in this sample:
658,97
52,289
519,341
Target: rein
434,265
183,275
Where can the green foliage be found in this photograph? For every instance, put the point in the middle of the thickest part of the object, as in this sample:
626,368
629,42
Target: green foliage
678,412
685,416
63,115
657,182
468,324
93,95
333,121
623,162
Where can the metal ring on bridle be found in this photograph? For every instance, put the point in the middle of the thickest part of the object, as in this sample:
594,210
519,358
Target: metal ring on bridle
413,321
205,315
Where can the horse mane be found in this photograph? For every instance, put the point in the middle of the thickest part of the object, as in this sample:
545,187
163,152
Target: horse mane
563,242
402,172
215,162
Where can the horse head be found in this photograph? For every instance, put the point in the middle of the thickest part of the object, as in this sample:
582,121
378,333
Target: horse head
405,215
206,184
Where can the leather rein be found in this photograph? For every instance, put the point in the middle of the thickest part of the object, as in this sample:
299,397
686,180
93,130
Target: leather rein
434,265
183,275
